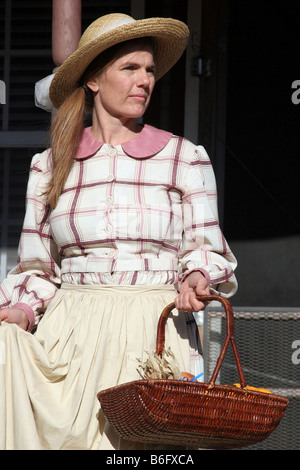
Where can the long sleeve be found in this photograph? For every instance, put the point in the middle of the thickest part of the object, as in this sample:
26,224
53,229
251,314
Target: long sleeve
204,247
33,282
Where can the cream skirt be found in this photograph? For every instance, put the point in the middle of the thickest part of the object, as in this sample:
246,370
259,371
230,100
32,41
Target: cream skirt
89,339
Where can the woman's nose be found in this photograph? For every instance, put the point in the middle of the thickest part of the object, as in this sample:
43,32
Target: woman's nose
143,78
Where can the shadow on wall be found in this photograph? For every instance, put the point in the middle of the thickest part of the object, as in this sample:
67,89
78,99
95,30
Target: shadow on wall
266,272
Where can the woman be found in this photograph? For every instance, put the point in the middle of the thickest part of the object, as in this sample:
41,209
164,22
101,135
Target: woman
121,220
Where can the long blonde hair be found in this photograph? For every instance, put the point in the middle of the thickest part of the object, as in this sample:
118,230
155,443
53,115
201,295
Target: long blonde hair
68,123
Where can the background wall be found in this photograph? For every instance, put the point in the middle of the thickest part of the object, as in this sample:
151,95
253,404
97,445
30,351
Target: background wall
262,191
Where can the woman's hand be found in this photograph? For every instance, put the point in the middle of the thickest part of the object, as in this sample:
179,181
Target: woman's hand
194,285
14,315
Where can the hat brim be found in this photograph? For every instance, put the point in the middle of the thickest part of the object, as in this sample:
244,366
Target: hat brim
171,37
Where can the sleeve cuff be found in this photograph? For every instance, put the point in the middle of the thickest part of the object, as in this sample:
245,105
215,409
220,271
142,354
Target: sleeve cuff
202,271
29,312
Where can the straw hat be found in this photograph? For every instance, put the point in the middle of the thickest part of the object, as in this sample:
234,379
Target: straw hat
171,37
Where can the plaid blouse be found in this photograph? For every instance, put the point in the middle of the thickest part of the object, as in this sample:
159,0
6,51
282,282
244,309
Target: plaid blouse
144,212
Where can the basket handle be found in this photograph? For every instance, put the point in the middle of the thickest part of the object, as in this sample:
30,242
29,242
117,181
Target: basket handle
160,340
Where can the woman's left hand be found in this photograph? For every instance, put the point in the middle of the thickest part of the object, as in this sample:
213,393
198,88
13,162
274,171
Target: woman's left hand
194,285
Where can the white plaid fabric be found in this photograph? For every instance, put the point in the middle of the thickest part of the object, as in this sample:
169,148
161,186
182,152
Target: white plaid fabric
126,216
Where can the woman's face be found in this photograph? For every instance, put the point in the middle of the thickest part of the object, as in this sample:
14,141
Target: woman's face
124,89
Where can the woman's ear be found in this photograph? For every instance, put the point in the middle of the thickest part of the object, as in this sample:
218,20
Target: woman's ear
93,85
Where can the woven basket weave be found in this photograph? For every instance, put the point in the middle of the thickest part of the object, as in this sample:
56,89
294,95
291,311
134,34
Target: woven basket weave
193,414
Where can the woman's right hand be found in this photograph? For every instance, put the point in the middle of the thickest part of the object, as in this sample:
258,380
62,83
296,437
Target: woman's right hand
14,315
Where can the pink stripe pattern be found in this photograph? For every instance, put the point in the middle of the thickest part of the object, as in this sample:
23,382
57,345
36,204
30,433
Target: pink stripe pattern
125,216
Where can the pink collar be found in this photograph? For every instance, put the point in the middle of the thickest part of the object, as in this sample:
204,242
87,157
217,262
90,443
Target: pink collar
147,143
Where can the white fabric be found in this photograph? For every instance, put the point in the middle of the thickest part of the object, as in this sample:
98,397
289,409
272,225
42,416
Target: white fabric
41,94
88,340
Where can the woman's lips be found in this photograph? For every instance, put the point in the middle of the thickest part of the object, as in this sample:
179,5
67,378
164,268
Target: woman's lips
141,98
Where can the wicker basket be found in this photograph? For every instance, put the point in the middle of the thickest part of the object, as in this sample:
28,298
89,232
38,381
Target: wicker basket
193,414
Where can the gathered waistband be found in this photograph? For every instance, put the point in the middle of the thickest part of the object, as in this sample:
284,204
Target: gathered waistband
120,289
